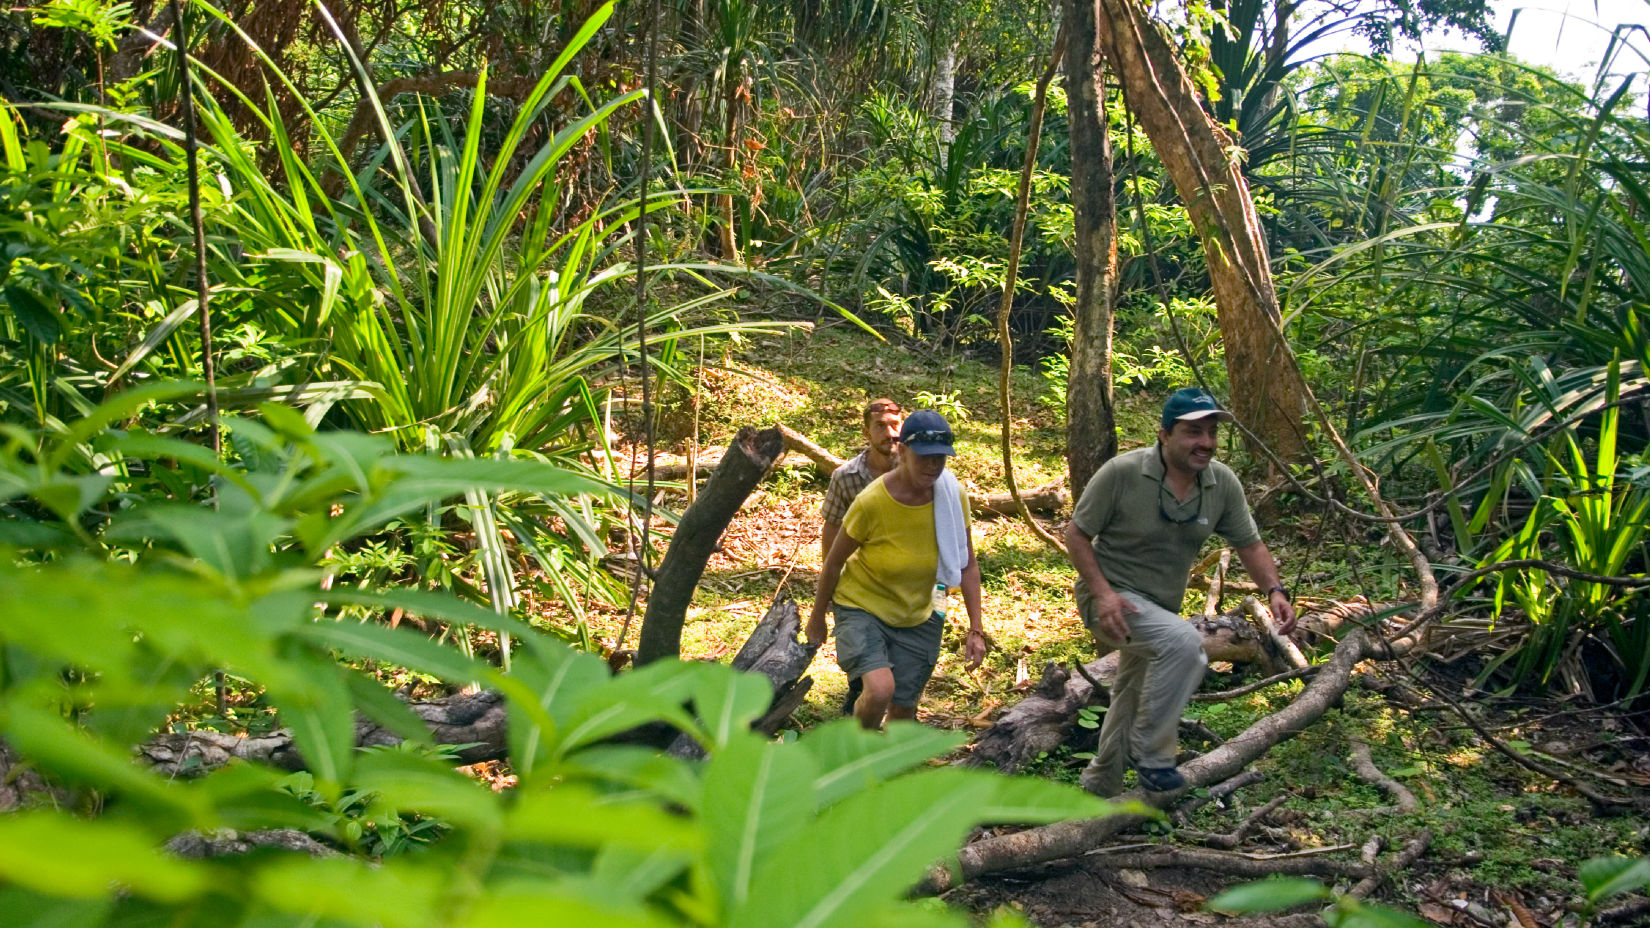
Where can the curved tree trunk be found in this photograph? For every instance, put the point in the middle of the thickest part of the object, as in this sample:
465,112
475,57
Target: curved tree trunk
1202,161
1091,429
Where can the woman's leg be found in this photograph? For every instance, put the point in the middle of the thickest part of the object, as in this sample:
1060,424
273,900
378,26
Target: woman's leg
873,703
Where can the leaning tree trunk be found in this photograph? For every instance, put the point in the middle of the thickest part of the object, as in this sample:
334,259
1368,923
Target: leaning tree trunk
748,457
1091,428
1199,156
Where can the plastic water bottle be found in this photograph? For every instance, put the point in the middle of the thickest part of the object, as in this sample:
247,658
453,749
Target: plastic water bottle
942,600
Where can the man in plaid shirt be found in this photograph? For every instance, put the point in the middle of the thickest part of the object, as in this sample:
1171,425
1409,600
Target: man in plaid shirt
881,421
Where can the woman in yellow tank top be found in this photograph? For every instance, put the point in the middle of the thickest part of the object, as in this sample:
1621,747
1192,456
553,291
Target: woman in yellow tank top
880,577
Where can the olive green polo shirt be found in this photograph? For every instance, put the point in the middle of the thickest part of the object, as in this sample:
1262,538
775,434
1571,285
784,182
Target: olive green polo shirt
1138,549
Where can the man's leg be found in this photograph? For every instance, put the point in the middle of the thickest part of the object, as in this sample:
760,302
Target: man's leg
1104,774
1175,664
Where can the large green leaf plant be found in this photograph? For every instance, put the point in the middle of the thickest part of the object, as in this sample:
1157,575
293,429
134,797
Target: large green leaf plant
136,564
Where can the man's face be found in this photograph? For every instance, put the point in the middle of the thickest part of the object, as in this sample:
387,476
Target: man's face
882,432
1190,445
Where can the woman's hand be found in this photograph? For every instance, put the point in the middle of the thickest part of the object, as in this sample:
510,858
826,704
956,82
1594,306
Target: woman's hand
816,628
974,648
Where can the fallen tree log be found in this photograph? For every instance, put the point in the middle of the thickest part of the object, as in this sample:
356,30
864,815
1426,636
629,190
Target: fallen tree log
476,720
1071,838
748,458
1044,720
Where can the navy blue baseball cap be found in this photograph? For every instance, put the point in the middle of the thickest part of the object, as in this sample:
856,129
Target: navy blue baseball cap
1191,403
925,432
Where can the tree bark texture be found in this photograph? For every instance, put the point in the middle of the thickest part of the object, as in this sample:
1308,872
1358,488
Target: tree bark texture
1071,838
473,719
1202,161
1091,427
749,456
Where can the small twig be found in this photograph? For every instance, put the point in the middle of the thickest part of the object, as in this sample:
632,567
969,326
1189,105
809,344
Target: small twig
1600,801
1300,673
1219,791
1217,586
1363,764
1084,672
1235,837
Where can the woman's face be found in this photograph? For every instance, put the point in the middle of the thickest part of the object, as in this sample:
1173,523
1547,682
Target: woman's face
921,469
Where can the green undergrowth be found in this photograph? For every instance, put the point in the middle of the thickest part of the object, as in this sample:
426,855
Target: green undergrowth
1488,817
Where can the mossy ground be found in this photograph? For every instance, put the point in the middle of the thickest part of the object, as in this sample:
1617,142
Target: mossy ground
1495,825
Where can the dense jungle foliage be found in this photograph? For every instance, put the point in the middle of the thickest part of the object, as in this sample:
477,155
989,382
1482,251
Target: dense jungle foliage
324,354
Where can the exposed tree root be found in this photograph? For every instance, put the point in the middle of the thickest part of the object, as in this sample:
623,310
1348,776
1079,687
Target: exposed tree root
1364,766
1413,849
1241,865
1235,837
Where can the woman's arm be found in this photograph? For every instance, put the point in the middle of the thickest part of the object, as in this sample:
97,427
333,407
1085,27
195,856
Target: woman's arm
841,548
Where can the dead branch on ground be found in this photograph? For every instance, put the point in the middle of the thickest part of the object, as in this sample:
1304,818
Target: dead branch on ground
1364,766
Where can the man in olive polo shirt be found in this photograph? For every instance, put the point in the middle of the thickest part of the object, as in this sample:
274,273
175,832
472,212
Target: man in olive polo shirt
1134,536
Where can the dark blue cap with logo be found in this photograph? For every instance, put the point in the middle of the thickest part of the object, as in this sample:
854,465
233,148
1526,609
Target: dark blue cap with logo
925,432
1191,403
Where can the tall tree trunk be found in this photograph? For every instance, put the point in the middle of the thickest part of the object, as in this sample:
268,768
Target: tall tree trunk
1091,430
943,90
1201,161
728,241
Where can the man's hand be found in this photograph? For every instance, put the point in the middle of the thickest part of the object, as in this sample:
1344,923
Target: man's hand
1283,611
1112,612
974,648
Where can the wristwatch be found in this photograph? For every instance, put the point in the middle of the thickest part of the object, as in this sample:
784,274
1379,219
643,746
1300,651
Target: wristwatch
1281,589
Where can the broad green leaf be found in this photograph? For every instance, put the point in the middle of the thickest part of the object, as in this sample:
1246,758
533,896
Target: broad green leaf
38,318
727,701
379,704
557,677
395,894
399,646
65,751
20,906
537,902
756,794
1375,916
1604,877
321,717
851,758
406,782
642,769
1268,896
55,854
1024,800
654,693
863,852
636,873
574,815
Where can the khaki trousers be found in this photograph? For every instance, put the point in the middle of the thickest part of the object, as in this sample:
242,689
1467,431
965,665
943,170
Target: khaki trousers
1159,668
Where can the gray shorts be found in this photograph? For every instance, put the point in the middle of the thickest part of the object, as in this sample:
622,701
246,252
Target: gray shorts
865,643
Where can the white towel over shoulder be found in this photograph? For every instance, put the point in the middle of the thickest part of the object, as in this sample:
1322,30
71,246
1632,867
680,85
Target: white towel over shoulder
950,529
